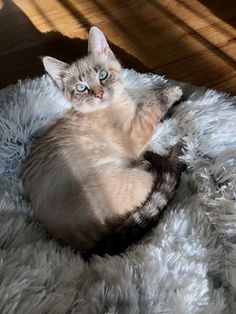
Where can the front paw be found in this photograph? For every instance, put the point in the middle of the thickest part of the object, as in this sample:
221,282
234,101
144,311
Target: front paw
171,95
145,165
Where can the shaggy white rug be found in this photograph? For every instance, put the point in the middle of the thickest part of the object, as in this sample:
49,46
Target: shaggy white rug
186,265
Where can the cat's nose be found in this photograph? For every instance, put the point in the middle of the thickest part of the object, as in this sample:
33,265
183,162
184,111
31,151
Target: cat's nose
99,94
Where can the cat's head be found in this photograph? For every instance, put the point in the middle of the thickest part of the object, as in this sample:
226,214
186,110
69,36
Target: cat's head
92,82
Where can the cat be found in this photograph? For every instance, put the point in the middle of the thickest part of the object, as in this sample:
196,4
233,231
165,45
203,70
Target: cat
86,172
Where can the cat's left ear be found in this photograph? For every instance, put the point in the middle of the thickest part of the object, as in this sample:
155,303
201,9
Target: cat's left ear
97,43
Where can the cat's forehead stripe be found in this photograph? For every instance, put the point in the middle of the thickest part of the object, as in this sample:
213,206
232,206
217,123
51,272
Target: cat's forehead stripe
82,69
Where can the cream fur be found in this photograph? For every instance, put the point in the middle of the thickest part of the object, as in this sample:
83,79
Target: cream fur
78,175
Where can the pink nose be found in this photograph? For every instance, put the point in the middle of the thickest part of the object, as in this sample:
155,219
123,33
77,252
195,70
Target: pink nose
99,95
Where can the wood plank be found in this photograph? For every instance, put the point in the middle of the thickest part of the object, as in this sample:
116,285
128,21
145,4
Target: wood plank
193,40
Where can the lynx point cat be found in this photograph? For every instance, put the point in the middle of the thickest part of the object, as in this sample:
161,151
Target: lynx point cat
85,174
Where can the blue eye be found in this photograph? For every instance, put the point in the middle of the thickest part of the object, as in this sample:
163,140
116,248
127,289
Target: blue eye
81,88
103,75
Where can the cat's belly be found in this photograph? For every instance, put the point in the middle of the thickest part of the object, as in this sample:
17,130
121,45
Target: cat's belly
118,190
78,199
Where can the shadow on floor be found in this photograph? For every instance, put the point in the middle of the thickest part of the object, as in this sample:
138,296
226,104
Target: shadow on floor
217,10
20,57
149,27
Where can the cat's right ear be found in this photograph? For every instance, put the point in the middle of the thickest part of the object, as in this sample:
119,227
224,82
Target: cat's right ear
56,69
97,43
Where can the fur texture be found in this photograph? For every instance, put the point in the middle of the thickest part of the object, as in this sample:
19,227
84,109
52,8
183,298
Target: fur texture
132,227
186,265
84,174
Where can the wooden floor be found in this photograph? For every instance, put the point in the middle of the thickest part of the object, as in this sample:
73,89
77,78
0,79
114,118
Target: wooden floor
187,40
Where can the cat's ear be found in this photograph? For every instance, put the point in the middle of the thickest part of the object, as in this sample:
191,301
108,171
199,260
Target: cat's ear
56,69
97,43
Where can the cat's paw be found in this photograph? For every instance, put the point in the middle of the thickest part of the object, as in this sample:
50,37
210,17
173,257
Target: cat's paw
145,165
171,95
178,151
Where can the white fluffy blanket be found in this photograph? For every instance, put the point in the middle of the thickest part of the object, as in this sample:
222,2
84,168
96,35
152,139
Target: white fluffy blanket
186,265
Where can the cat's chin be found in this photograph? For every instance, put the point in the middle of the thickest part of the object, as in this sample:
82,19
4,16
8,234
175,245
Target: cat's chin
104,102
99,104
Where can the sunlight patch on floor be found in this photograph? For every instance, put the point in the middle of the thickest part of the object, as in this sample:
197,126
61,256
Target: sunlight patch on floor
50,15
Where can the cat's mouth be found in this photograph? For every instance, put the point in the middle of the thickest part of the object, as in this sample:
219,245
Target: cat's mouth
99,94
102,99
99,101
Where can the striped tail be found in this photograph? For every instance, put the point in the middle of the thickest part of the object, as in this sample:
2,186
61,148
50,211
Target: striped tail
134,226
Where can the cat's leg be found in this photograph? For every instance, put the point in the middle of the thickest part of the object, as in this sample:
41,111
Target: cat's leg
168,97
172,163
123,189
147,119
129,228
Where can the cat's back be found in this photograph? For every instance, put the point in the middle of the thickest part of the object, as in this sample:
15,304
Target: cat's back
57,169
72,147
61,146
